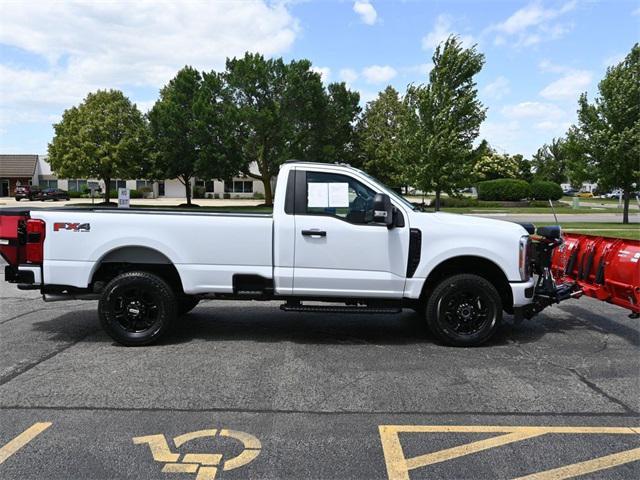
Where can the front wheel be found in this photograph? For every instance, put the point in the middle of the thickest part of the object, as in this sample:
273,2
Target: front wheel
137,308
464,310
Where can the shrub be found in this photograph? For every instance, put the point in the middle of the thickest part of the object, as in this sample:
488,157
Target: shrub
198,192
75,194
135,194
503,189
456,202
226,195
216,195
258,196
542,190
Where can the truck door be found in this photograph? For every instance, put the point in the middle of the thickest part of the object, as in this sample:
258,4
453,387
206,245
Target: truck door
339,251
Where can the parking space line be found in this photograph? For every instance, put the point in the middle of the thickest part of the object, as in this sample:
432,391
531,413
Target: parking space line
398,466
21,440
589,466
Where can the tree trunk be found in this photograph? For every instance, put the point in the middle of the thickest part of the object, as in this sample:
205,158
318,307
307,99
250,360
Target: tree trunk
107,191
187,190
625,211
268,195
437,201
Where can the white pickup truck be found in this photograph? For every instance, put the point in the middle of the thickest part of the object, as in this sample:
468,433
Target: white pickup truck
338,241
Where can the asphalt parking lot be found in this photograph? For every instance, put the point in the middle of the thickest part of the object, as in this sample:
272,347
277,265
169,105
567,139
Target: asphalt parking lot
243,390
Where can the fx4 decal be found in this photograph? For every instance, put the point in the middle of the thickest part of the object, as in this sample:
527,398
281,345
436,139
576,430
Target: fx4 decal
74,227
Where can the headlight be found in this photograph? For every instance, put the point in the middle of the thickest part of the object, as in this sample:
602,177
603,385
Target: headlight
523,257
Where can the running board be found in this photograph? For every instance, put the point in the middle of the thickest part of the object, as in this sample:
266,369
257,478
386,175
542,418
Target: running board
287,307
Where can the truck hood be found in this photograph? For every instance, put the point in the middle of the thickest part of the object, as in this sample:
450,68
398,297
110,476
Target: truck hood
473,224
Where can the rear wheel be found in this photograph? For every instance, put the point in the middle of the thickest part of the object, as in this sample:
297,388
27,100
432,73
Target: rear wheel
137,308
464,310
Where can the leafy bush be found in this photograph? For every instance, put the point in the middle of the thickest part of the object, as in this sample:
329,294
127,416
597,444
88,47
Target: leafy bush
75,194
226,195
216,195
198,192
503,189
258,196
457,202
543,190
135,194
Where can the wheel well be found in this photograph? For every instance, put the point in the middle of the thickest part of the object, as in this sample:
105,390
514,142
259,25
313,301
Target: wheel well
477,266
127,259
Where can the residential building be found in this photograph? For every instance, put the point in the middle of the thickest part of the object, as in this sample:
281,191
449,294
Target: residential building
35,170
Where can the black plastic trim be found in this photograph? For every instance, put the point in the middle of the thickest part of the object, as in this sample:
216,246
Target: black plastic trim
415,251
289,201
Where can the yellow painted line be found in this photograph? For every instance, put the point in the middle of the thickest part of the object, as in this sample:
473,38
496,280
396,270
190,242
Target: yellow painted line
203,458
180,468
160,450
590,466
207,473
398,466
21,440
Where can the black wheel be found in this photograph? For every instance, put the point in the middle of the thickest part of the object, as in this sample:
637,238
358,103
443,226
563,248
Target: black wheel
186,303
464,310
137,308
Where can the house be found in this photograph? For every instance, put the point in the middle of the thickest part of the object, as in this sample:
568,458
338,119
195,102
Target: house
35,170
16,170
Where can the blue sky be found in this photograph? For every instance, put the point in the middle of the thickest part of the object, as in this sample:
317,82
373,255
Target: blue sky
539,54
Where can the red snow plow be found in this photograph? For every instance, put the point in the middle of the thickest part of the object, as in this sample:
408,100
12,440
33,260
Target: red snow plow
570,265
604,268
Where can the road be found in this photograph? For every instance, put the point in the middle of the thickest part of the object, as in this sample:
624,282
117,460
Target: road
304,396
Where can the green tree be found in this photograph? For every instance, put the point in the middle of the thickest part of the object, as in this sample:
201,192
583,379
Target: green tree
105,137
524,168
380,139
608,130
282,111
343,108
550,161
443,120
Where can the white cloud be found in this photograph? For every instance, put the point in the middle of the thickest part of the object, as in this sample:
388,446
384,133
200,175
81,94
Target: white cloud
366,11
569,86
379,73
421,69
90,45
532,24
441,31
498,88
325,73
636,12
348,75
535,110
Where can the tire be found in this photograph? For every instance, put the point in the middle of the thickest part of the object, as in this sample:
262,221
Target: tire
137,308
186,303
464,310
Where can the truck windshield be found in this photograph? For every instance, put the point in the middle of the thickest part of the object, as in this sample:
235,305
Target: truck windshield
389,191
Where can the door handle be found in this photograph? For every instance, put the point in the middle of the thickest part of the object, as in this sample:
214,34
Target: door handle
314,233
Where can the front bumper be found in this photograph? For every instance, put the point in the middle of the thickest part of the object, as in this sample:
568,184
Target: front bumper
522,292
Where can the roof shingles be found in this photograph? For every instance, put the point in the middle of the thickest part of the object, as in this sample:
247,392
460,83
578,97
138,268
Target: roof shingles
19,166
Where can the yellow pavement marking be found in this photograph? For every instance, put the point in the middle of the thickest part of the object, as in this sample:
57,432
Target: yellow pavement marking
21,440
159,448
180,468
203,458
590,466
207,473
398,465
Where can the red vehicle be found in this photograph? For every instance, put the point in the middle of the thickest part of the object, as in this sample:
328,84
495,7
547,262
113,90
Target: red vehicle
30,192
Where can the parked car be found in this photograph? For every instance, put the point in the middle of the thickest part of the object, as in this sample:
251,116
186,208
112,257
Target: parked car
30,192
54,194
585,195
570,192
613,194
336,235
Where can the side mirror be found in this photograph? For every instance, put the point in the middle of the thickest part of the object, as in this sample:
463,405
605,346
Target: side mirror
383,210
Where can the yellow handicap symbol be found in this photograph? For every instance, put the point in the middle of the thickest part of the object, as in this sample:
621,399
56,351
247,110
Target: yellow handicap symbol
204,465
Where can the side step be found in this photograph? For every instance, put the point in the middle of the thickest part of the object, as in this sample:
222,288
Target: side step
298,307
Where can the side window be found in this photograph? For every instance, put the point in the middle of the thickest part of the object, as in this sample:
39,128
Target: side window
339,196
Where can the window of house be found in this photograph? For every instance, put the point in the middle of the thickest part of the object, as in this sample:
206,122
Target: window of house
48,184
206,184
76,185
238,186
143,183
340,196
116,184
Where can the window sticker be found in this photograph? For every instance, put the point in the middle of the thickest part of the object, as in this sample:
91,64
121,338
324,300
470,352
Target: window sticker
318,195
339,195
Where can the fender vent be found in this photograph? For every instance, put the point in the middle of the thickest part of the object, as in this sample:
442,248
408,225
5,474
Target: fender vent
415,248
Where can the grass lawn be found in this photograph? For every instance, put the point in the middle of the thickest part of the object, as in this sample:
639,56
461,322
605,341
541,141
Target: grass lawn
618,230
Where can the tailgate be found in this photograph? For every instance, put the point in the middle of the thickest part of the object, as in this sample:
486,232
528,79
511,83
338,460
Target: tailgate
13,235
